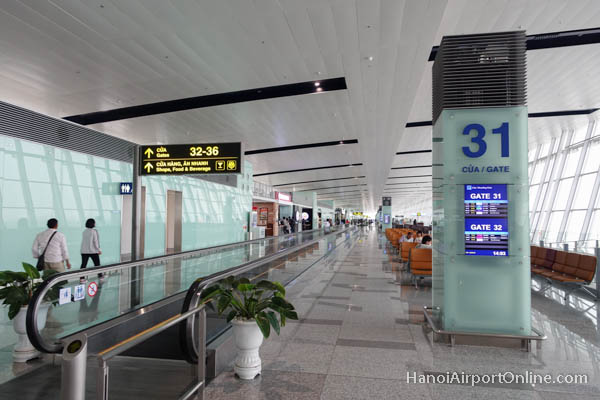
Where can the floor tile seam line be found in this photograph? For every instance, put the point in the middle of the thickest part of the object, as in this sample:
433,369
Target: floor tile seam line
291,372
373,342
364,377
376,341
368,377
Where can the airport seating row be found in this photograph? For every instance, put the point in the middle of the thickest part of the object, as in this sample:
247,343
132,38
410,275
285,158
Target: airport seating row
565,267
394,235
419,261
419,264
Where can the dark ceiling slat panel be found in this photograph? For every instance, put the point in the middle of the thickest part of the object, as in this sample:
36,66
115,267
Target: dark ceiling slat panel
301,146
562,113
319,180
309,169
211,100
406,183
414,166
332,187
418,124
408,176
399,153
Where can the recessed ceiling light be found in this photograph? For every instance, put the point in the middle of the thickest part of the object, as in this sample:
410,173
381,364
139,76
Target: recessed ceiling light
370,58
319,89
317,83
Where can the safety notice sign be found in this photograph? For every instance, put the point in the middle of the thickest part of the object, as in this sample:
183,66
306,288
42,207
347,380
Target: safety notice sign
92,289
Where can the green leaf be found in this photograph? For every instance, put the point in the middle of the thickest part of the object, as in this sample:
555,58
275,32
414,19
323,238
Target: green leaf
13,310
223,303
263,324
273,320
210,293
17,295
245,287
232,314
278,301
235,303
244,280
274,286
10,277
291,315
31,271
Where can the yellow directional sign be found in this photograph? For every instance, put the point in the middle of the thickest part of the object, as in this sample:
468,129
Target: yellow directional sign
188,159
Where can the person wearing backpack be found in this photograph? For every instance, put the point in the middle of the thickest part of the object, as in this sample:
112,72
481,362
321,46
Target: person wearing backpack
50,248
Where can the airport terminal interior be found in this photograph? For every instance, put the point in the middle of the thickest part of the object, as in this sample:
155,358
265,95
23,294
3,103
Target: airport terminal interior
299,199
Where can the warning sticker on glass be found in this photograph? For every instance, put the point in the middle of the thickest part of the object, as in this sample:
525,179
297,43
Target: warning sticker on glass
79,292
64,295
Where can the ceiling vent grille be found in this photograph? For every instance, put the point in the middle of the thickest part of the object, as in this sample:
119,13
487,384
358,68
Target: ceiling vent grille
486,70
29,125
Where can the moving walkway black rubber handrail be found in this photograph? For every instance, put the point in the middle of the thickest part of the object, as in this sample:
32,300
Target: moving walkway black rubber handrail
33,331
194,294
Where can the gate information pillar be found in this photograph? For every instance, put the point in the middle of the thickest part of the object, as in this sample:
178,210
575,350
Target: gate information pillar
481,267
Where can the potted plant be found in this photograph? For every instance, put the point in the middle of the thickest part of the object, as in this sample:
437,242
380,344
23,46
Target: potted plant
16,291
253,310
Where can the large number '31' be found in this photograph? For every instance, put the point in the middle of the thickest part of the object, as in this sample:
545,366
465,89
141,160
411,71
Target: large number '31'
481,144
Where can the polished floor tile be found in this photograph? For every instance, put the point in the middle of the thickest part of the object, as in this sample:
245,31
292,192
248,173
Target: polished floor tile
275,385
339,387
360,337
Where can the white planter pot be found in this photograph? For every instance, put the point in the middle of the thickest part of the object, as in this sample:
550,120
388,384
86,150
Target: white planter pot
248,339
24,350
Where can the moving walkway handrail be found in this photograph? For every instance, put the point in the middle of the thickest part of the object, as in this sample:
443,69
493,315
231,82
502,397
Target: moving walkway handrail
194,293
31,320
191,306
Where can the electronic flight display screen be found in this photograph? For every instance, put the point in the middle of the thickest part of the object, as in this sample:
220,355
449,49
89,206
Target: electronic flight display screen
486,220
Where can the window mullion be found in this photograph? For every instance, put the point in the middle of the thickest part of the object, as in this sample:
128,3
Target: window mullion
544,174
588,214
554,179
563,224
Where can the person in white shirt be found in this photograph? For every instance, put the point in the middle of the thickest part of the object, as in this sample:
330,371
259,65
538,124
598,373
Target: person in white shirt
56,254
407,238
90,244
327,225
286,226
425,243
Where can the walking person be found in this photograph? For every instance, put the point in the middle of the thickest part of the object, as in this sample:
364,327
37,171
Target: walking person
51,245
90,245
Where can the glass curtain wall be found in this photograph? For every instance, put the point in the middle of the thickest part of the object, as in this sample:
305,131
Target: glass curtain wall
564,206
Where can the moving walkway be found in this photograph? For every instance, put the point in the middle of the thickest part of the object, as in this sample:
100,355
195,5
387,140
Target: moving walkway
148,308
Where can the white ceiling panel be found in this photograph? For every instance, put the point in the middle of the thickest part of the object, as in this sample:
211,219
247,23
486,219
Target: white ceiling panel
303,158
66,57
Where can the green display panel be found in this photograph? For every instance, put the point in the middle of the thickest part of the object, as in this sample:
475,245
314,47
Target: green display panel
480,285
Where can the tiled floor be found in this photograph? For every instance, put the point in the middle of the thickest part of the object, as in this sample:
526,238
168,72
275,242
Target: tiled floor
360,335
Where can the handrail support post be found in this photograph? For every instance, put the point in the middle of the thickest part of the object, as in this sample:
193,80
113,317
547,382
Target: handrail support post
201,369
73,368
102,380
